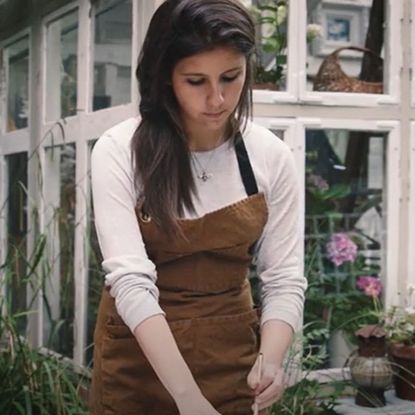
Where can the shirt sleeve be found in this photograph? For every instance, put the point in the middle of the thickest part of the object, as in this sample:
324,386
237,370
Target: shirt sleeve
129,272
281,285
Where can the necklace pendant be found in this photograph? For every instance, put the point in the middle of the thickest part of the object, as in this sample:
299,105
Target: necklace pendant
204,176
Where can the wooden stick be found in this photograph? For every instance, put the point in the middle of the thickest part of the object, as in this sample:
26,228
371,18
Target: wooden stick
260,359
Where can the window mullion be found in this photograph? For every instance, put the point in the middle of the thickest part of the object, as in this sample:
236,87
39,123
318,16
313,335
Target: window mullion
35,320
81,182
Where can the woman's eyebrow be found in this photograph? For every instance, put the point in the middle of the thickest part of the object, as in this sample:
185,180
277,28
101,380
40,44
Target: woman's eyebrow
203,74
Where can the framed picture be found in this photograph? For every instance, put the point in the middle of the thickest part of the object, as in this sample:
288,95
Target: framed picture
343,25
338,28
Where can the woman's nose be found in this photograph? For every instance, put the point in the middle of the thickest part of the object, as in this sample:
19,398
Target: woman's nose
215,96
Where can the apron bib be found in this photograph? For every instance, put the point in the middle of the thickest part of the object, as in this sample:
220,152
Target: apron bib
206,295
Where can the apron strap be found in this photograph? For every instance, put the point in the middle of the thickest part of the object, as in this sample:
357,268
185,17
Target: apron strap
245,168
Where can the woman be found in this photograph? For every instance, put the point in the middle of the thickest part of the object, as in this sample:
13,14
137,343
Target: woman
184,198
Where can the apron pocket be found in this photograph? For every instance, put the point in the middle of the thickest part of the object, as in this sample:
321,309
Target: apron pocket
130,386
226,349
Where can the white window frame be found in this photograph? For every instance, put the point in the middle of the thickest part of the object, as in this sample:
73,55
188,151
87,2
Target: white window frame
50,200
291,93
413,53
285,124
390,265
49,19
4,83
392,59
11,142
18,140
80,129
3,220
51,135
411,210
134,55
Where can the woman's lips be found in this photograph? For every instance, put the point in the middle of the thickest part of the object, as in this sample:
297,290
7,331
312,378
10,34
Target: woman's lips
214,114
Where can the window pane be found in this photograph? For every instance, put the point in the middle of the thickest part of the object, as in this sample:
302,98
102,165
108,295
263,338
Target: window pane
61,68
271,19
15,269
279,133
334,31
344,230
95,282
59,290
112,53
18,84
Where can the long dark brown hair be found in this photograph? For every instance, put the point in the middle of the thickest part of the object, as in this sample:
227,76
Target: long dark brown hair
179,29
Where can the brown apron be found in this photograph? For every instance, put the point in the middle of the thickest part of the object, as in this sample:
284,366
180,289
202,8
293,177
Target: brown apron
207,299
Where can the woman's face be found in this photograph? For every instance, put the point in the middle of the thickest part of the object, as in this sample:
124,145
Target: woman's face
207,87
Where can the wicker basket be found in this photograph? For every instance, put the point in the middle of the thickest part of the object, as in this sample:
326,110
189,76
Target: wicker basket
332,78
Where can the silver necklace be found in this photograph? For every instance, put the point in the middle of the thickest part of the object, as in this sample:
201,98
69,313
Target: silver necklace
204,174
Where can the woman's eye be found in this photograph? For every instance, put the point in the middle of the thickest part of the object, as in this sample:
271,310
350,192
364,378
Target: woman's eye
201,81
195,81
230,78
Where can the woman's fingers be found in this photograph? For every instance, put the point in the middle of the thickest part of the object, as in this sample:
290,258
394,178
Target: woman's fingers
270,388
253,380
269,374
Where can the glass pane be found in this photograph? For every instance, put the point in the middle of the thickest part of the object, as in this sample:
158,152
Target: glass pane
61,68
15,267
18,84
279,133
271,17
59,213
345,43
95,282
344,233
112,53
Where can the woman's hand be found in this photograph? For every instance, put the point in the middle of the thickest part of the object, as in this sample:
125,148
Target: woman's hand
270,386
196,404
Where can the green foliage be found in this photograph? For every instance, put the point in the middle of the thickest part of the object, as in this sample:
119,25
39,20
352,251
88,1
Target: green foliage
307,397
271,59
304,398
333,300
32,381
400,325
336,302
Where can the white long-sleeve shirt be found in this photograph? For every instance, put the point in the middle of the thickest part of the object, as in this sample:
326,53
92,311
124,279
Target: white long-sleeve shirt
132,276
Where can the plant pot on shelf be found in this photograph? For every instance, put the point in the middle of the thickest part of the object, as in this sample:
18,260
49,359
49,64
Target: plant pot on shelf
340,349
403,362
371,370
265,85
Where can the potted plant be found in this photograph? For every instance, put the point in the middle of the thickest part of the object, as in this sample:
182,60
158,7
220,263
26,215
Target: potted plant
271,57
271,17
344,288
400,328
344,293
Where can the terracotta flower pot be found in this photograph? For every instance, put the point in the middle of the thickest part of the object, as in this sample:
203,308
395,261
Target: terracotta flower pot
371,370
265,85
403,358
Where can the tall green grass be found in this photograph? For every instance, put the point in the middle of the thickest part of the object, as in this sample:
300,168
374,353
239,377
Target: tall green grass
33,381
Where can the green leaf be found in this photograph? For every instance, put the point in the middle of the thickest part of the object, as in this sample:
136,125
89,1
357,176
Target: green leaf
272,45
270,8
281,60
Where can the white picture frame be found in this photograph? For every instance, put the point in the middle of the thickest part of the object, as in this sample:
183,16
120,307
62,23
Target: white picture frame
343,24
